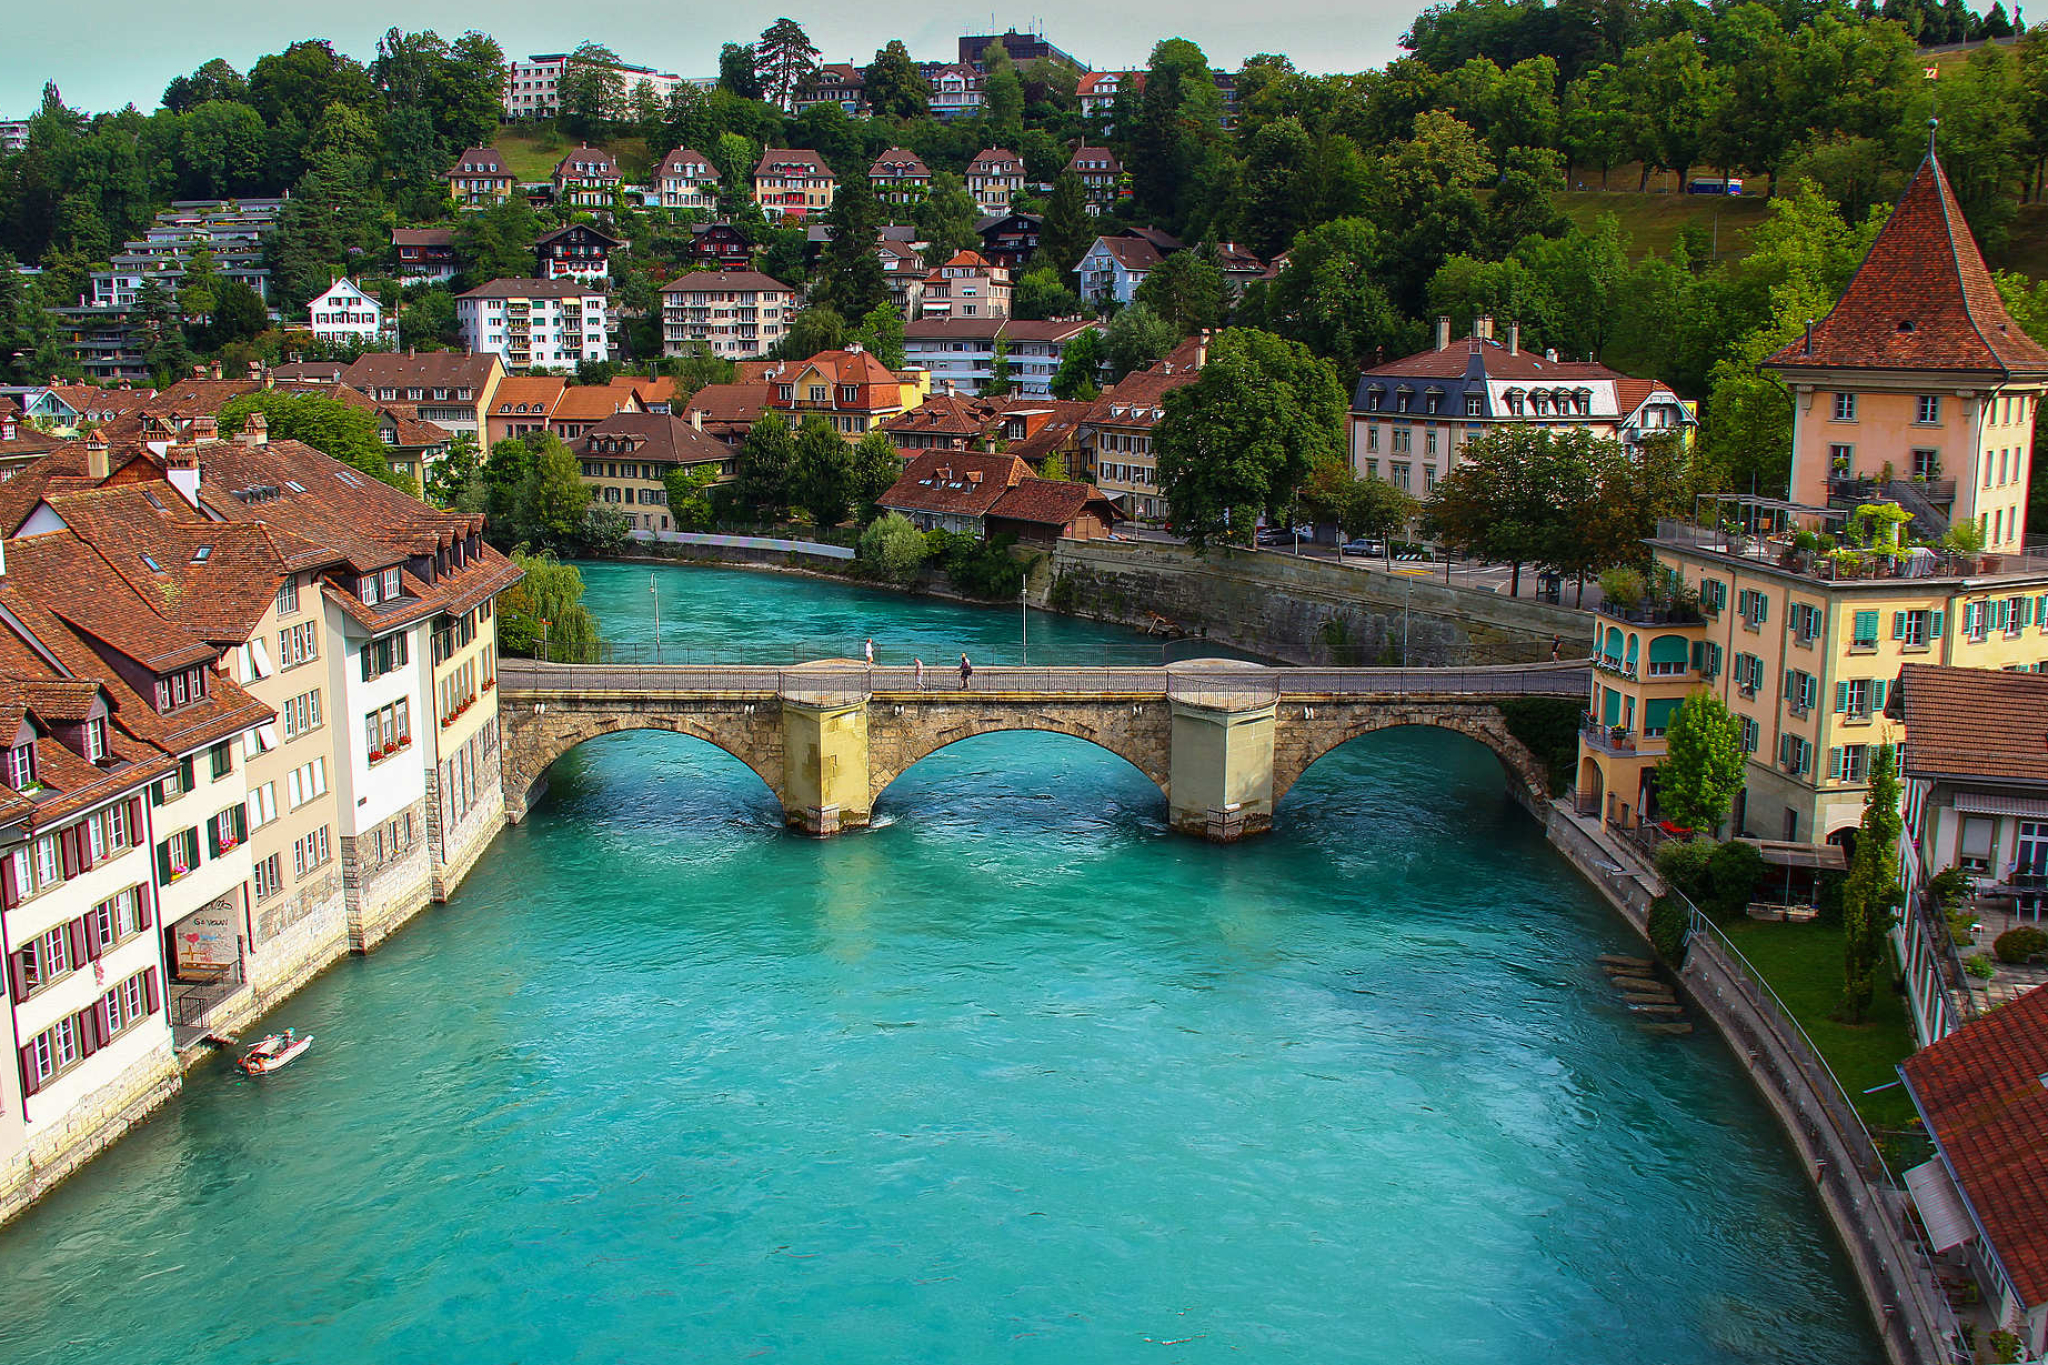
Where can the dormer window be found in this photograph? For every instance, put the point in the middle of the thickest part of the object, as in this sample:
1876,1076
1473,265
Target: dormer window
21,766
94,739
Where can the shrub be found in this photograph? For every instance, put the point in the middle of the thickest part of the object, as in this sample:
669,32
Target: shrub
1734,871
1950,887
2020,945
1623,585
978,568
891,548
1668,926
2005,1346
1549,728
1684,864
1980,966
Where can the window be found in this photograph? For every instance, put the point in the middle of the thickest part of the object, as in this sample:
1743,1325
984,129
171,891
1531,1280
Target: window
1841,460
391,588
94,738
1795,755
305,782
1926,463
1713,596
21,765
1858,698
288,596
1751,733
185,688
1845,407
1706,658
298,644
1863,631
1806,622
1801,690
1974,847
177,855
262,804
1399,469
175,785
109,832
1372,436
222,758
1754,607
1927,409
1976,620
1403,440
1917,629
269,876
388,729
310,852
301,714
1748,674
43,959
1850,763
382,656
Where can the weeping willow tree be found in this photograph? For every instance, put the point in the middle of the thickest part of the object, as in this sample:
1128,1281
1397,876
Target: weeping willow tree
546,605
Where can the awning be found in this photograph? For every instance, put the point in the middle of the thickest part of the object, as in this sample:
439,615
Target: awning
1826,857
1941,1205
1987,803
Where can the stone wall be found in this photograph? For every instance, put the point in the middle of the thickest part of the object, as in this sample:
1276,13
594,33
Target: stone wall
383,896
56,1150
1303,611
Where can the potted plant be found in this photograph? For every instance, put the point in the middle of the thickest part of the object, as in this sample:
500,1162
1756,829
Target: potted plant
1966,540
1847,563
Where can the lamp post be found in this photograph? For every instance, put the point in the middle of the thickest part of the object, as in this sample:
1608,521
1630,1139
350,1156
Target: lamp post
657,616
1024,619
544,639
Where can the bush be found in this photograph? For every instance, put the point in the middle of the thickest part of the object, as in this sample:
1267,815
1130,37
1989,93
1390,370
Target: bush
2019,945
891,548
1684,864
1668,926
1623,585
1980,966
978,568
1548,728
1735,871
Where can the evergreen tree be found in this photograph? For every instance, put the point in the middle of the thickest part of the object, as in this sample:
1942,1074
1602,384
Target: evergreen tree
736,65
763,476
554,503
821,473
945,217
851,279
876,466
1067,232
894,89
1870,894
784,61
999,382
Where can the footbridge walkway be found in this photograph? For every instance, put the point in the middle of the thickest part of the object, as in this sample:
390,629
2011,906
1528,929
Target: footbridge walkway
1222,740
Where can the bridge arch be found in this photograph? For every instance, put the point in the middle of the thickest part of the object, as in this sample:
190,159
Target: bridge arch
1145,746
1311,733
534,741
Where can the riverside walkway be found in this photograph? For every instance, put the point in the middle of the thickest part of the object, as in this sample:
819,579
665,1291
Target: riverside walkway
1223,740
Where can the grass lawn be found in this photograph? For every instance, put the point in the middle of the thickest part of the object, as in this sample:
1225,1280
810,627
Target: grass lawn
1652,221
533,153
1803,963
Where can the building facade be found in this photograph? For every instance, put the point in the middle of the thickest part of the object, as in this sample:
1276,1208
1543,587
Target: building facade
345,314
686,179
733,313
793,184
529,323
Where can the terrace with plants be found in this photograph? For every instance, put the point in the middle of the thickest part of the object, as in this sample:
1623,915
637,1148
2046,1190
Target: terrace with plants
1871,540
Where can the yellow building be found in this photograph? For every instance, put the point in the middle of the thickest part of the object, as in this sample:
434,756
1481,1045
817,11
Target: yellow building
1913,400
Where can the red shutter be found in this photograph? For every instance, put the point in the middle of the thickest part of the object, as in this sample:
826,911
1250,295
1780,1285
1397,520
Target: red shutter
67,862
142,895
17,976
84,836
135,822
149,987
88,1024
75,931
9,893
92,936
28,1070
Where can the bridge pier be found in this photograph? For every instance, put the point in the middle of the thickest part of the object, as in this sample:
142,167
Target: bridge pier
825,766
1220,762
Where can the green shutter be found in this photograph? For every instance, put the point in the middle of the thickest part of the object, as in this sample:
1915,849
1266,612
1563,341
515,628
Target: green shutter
185,778
1877,691
1610,708
1898,625
1835,763
1841,697
1937,626
163,863
1657,714
1866,626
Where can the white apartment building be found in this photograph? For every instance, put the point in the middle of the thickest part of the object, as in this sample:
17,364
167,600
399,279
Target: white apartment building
346,314
529,323
687,180
736,313
533,85
961,352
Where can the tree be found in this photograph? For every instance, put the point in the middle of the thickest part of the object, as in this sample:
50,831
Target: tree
736,71
850,277
784,59
606,532
1079,377
456,480
894,89
999,382
1870,894
818,328
546,604
1329,298
891,548
881,334
1426,201
945,217
592,90
238,315
1135,338
763,473
1187,290
1500,502
335,429
503,473
689,498
821,473
553,501
1039,294
214,80
876,467
1177,135
1240,439
1334,494
1703,762
1068,230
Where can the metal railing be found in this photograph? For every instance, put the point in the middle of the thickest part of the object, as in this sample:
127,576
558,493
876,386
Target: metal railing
1246,685
1915,1317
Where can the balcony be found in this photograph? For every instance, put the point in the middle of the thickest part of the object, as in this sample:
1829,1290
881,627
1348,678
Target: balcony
1653,613
1617,740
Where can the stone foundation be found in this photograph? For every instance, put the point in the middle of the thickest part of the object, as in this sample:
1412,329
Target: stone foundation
56,1150
381,897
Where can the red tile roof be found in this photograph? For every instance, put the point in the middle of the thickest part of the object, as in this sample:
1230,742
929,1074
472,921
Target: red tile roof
782,161
1974,723
1052,502
1984,1092
723,281
675,162
1496,361
657,437
1921,300
954,482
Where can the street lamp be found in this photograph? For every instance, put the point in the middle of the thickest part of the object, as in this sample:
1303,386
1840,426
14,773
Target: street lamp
1024,618
657,616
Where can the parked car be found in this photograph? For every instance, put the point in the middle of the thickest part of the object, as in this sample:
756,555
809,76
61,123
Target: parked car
1365,546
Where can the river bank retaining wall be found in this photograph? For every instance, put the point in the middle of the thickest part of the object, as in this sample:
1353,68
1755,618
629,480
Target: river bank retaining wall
1302,611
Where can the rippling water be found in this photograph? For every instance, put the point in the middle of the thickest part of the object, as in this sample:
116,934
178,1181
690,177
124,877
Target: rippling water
1016,1075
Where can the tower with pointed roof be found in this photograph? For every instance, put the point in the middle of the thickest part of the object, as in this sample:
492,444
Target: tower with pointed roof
1919,368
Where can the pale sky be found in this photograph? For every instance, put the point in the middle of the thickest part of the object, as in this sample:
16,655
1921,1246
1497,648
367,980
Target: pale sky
114,52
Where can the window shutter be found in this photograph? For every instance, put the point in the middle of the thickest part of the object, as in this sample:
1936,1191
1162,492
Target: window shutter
142,915
1699,656
67,855
163,863
149,988
1898,625
10,891
1937,626
29,1084
185,778
241,822
91,936
17,977
1834,763
1877,691
1763,608
74,931
1791,686
1841,697
88,1024
84,838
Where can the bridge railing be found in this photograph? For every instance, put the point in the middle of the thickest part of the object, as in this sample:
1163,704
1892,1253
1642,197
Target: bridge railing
786,653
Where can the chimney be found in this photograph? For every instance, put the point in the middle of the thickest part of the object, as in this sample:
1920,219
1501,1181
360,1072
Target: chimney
97,466
1514,338
1551,355
125,386
1482,327
216,369
257,431
182,468
199,372
1443,331
204,428
256,372
696,419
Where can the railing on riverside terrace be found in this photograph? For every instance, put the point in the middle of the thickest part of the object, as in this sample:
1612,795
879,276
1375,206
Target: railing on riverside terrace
1916,1316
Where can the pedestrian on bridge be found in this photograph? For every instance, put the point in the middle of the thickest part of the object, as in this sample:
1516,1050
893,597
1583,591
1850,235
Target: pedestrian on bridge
966,671
1556,644
869,650
920,673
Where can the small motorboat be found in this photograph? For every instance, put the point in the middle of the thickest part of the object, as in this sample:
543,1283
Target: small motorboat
279,1049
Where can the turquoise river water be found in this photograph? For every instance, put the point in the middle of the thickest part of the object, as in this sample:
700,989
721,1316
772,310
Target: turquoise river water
1018,1075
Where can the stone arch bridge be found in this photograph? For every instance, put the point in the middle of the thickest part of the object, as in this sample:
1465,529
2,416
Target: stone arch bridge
1222,740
